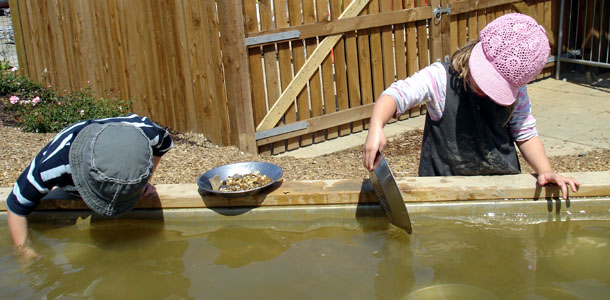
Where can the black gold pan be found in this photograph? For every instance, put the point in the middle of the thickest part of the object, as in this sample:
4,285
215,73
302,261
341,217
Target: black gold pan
389,195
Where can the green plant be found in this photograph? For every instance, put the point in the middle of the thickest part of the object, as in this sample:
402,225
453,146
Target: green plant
35,108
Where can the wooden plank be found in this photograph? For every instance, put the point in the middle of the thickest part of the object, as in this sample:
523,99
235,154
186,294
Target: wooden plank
236,72
400,44
190,111
387,46
462,32
18,36
364,62
272,84
328,85
521,188
376,53
462,6
259,106
156,84
315,88
117,40
436,42
177,60
282,20
159,33
338,26
481,21
353,74
238,87
56,36
412,65
200,95
454,32
422,39
472,26
298,54
340,69
326,121
276,112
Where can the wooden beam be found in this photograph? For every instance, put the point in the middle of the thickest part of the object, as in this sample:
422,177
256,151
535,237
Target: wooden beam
349,24
323,122
302,77
354,191
462,6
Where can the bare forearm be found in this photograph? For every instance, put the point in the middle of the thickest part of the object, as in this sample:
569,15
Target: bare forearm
535,155
383,111
18,227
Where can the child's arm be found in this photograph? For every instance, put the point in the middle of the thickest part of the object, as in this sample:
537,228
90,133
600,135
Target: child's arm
149,189
18,227
533,152
383,110
429,84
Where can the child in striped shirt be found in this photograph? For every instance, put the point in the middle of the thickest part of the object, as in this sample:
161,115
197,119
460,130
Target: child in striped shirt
107,162
477,105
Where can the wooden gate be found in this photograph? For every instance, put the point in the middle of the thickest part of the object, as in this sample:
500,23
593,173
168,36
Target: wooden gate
264,75
316,67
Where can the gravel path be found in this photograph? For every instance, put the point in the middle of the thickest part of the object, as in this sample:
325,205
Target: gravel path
193,154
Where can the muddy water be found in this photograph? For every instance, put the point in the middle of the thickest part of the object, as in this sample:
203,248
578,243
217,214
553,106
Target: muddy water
127,259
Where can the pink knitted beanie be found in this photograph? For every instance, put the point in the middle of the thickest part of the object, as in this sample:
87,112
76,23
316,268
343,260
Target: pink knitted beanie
512,50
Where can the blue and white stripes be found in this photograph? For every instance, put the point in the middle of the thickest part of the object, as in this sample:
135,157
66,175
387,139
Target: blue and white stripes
51,166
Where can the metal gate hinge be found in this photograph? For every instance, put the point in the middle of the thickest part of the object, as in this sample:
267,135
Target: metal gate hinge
439,11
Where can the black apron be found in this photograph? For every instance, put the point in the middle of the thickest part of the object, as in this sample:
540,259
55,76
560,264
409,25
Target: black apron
471,138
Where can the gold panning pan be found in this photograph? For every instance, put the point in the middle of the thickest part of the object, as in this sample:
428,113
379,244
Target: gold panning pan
389,195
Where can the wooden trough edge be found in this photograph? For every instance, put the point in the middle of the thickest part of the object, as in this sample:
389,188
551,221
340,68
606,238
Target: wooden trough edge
353,191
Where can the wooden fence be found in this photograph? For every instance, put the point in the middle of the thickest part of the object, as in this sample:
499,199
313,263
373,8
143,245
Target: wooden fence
267,75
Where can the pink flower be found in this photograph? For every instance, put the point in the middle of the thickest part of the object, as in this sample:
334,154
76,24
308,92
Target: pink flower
36,100
14,99
14,69
81,112
58,103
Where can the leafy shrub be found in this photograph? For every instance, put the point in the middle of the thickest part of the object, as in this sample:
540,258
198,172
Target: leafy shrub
36,108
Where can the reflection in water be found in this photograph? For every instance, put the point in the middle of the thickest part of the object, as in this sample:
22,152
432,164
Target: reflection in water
109,258
152,259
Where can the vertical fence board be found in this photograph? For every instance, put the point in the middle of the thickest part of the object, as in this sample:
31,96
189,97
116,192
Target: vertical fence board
257,84
364,62
340,69
353,80
215,80
298,55
315,88
376,53
328,82
284,56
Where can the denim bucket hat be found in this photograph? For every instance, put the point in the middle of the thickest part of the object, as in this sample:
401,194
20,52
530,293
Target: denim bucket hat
111,164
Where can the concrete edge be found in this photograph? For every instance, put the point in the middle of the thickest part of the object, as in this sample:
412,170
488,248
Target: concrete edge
358,191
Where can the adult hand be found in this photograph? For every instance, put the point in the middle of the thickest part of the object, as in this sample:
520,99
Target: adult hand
149,191
375,142
561,181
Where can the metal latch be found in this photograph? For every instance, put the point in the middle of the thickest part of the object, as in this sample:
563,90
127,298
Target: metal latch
439,11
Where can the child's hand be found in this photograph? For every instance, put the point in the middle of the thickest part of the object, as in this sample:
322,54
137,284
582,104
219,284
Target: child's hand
149,191
561,181
375,142
26,255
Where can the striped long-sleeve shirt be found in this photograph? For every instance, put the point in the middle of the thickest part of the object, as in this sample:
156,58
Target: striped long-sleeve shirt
51,166
430,85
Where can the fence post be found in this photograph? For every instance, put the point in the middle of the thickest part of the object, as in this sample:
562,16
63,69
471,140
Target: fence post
436,38
17,33
237,80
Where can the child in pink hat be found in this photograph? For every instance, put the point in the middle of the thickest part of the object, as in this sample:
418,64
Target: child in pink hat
478,107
